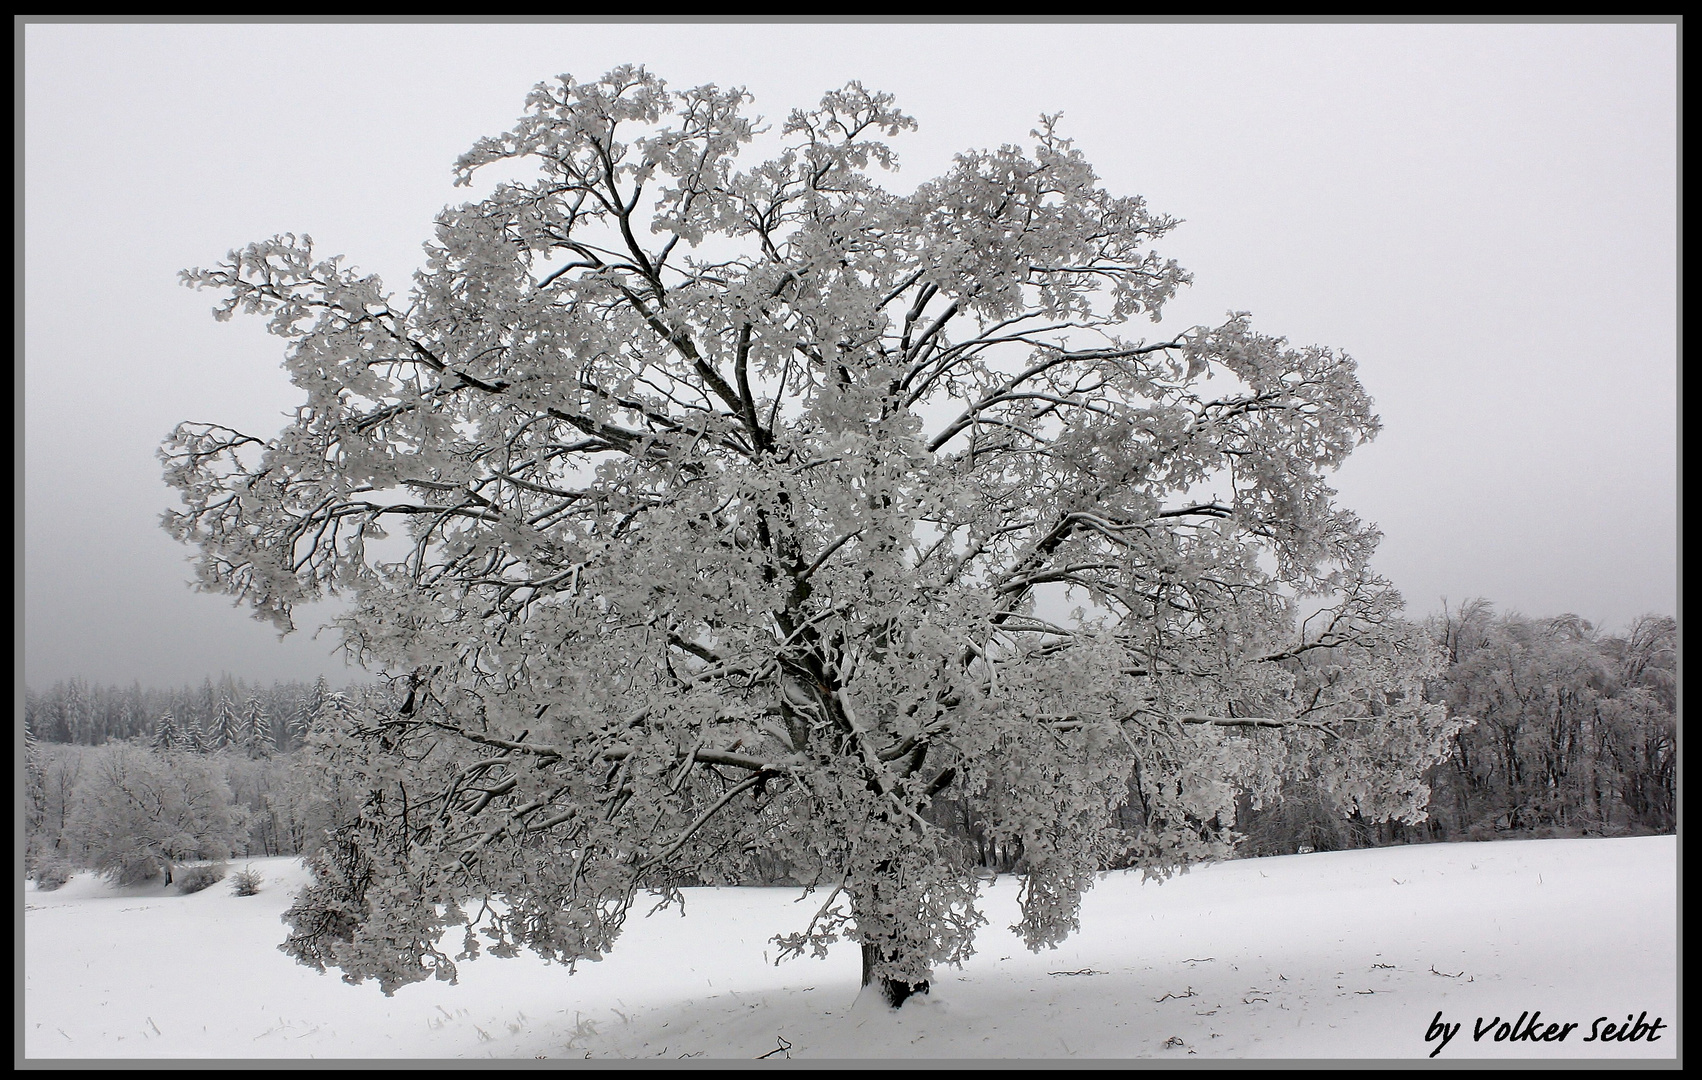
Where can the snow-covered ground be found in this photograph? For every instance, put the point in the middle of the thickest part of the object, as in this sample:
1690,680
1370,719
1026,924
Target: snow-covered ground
1349,954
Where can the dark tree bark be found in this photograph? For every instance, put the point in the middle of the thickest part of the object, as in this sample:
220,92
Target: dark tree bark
894,991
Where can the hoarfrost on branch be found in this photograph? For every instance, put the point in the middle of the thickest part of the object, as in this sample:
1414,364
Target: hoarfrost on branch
759,520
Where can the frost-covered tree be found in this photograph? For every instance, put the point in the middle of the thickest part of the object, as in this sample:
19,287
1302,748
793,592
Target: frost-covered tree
754,511
55,773
195,737
132,711
257,727
336,712
32,745
35,790
167,735
79,712
227,728
301,719
201,707
140,812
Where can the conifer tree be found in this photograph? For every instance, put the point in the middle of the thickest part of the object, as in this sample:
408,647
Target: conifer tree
301,721
78,712
226,730
257,728
167,735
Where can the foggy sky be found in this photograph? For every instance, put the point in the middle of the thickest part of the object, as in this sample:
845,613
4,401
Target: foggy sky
1484,216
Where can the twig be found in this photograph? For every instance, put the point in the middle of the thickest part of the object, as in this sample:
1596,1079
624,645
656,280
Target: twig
784,1048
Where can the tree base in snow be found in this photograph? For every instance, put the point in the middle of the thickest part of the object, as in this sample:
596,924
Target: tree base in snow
893,991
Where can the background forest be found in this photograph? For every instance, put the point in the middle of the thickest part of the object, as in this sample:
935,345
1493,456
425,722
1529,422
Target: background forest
1573,733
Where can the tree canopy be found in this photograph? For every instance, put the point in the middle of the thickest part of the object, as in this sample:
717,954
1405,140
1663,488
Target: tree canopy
759,513
143,812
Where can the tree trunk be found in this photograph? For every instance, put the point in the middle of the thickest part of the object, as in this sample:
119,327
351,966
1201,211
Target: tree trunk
894,991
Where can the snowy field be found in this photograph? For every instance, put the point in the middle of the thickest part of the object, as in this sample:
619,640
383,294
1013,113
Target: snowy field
1349,954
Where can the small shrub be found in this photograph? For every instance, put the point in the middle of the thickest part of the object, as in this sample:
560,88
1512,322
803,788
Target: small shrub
53,873
246,882
192,879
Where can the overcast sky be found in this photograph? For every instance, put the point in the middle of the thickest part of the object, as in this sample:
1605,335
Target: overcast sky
1485,217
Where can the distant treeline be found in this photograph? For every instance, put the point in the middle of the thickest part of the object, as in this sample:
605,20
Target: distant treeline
1575,734
207,717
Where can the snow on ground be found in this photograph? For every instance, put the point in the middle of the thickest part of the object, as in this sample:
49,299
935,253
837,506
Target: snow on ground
1346,954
